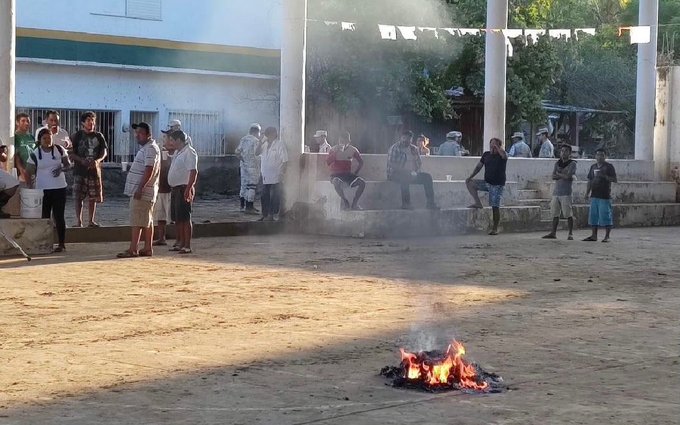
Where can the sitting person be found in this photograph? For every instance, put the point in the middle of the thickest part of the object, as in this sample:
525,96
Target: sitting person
8,184
422,144
340,162
452,147
403,167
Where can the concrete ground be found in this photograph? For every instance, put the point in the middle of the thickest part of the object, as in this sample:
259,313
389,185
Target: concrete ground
293,330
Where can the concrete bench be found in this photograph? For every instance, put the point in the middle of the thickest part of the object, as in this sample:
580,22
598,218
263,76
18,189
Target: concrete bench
625,192
385,195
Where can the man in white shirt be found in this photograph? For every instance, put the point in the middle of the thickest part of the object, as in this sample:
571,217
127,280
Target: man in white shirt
141,186
273,161
59,135
321,141
182,178
547,149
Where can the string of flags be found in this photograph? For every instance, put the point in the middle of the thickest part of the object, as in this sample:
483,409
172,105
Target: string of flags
638,34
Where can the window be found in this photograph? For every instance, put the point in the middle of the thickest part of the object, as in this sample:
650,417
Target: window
138,9
205,129
70,121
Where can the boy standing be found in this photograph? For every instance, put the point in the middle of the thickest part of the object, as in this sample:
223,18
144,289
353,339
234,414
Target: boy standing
600,178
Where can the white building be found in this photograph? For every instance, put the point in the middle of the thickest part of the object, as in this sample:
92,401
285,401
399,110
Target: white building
213,64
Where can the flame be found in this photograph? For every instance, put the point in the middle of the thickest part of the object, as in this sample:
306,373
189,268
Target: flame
453,369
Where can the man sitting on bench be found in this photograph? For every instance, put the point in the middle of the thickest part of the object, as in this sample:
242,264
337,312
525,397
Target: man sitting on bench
340,162
8,184
403,167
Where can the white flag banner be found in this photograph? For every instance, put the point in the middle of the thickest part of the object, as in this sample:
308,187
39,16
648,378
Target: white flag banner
453,31
513,33
432,29
388,32
330,23
470,31
409,33
348,26
560,33
640,35
534,34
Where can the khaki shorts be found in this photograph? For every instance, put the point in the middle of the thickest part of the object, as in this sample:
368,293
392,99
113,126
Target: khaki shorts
561,205
161,210
141,213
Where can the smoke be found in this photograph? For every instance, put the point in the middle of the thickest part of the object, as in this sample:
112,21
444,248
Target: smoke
427,332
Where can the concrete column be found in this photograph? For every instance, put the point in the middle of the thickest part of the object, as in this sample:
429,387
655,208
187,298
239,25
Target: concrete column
646,83
7,72
495,71
293,74
667,128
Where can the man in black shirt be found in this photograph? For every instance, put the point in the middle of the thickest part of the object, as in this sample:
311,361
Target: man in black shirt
600,178
494,163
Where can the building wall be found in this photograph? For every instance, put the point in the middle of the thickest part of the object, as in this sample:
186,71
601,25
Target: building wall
239,100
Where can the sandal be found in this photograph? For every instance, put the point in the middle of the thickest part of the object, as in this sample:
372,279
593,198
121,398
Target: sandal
590,239
175,248
160,243
146,253
549,236
127,254
93,224
59,249
184,251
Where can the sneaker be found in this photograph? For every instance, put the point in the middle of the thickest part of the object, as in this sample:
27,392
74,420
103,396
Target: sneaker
276,217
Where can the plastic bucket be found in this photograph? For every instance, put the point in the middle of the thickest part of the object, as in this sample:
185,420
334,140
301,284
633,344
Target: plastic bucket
31,203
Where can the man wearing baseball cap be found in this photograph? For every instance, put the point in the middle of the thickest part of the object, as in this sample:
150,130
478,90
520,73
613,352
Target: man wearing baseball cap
321,142
519,148
451,147
176,125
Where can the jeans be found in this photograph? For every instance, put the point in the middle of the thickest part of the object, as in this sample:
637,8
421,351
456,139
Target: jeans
271,199
406,179
54,204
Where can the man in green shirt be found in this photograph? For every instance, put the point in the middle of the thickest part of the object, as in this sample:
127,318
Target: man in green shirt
24,144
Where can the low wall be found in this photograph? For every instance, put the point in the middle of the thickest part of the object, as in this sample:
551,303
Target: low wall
520,170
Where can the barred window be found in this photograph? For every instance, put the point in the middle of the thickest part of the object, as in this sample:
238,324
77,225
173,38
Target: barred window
205,130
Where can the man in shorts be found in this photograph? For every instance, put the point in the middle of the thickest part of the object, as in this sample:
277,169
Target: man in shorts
89,151
8,184
182,178
563,174
340,162
494,163
161,209
141,186
600,178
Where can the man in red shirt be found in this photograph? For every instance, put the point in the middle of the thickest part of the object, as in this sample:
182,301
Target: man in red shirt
340,162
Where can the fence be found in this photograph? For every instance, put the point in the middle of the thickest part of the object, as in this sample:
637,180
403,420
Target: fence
205,129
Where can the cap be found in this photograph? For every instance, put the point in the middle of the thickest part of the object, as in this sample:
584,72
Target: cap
321,133
143,125
518,135
542,130
454,135
178,135
255,125
171,124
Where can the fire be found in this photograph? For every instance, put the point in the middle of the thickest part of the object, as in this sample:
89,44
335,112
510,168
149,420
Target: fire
451,369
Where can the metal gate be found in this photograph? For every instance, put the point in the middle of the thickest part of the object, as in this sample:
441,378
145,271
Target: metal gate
205,129
150,118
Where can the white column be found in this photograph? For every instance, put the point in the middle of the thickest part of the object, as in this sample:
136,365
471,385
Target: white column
7,60
293,73
646,83
495,70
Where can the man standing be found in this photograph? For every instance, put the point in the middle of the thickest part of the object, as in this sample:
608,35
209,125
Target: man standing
176,125
546,148
8,184
600,178
321,144
340,162
162,207
273,161
182,177
494,163
403,167
141,186
452,147
519,148
89,151
250,168
563,174
24,144
59,135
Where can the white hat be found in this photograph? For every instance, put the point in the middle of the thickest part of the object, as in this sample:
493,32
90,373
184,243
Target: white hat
320,133
255,125
172,123
454,135
542,130
518,135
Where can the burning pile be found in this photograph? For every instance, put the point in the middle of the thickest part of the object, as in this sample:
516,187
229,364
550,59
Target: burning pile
438,371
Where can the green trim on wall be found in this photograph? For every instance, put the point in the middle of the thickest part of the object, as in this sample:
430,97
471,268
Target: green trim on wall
68,50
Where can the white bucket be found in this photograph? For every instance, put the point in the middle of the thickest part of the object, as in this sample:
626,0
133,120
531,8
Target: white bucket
31,203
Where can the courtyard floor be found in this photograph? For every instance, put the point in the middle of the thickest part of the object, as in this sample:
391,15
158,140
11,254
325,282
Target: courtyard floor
294,330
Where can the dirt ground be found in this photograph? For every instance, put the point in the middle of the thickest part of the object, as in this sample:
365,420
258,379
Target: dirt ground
294,329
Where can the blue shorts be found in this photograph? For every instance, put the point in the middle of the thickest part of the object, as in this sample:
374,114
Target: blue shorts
601,213
495,192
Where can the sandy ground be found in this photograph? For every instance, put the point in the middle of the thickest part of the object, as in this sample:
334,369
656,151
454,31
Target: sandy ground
293,330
